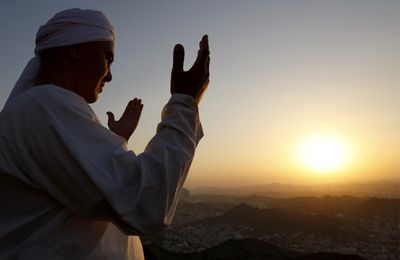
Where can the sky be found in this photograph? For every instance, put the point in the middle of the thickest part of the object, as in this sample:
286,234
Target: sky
282,72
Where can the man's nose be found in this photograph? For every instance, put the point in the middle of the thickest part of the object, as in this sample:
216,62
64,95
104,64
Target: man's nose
108,77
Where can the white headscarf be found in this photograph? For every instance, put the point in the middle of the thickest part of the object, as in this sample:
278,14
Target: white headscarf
68,27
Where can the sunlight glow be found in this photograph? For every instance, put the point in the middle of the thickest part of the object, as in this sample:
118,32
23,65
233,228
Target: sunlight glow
323,154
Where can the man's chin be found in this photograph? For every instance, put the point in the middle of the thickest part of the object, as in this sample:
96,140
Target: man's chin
95,96
92,99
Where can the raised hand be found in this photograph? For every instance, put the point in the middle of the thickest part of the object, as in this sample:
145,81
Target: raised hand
129,120
193,82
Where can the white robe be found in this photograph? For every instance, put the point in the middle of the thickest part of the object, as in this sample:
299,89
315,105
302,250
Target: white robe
70,189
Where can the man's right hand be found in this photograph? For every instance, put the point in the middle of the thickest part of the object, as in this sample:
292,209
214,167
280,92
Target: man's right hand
193,82
129,120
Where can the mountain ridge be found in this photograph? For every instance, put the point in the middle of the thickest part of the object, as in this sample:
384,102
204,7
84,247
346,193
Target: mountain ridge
384,188
242,249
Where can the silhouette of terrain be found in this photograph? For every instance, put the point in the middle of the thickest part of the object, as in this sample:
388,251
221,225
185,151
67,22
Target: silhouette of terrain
367,227
243,249
275,220
376,207
345,205
383,189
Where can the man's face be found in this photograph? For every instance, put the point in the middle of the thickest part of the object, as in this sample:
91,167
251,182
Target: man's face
95,59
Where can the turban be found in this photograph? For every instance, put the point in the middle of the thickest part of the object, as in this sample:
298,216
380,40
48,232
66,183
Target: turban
68,27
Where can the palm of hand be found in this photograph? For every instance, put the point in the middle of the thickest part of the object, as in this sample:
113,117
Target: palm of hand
193,82
129,120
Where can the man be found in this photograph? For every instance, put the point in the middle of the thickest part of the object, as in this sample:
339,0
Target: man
69,188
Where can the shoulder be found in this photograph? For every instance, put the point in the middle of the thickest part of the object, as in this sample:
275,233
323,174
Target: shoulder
55,96
54,99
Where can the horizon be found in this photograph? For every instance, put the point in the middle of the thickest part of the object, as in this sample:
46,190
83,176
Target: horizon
393,180
379,188
300,92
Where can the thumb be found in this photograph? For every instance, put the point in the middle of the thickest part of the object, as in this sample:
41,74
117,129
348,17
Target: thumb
179,56
110,117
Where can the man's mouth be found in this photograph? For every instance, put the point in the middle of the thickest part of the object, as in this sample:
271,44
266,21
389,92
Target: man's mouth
100,87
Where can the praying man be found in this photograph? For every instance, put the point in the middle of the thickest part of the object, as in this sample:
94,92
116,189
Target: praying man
69,187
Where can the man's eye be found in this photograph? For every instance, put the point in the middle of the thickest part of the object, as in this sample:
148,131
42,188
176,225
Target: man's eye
109,59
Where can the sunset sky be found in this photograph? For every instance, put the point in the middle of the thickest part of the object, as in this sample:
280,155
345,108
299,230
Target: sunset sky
283,73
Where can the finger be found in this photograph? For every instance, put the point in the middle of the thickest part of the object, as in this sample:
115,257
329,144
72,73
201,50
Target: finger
179,56
136,103
111,118
133,107
203,54
207,66
128,107
204,43
203,46
138,111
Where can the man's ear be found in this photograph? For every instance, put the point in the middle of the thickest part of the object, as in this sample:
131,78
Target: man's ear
73,51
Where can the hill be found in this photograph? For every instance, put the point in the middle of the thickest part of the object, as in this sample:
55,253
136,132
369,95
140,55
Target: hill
276,220
377,207
367,227
243,249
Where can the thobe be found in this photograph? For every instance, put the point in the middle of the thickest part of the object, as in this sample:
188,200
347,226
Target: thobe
70,188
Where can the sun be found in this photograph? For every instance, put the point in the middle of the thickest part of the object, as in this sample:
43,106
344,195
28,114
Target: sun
323,153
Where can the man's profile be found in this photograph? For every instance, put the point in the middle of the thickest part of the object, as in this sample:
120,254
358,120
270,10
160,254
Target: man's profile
69,187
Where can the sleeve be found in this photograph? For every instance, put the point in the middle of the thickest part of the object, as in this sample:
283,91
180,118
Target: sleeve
89,170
